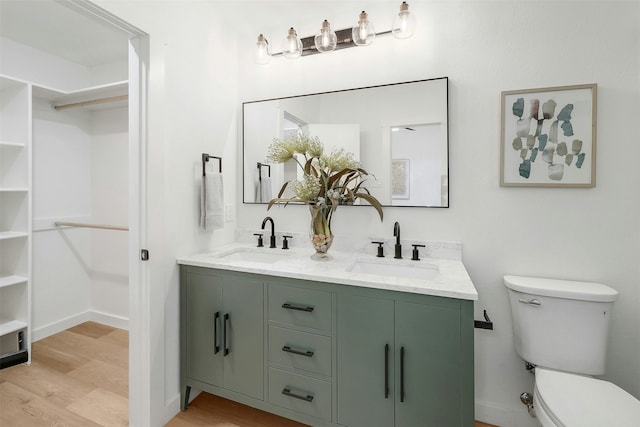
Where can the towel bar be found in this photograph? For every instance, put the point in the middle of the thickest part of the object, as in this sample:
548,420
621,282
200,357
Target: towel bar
260,165
205,158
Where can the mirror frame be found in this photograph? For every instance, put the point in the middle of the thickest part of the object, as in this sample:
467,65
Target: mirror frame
446,128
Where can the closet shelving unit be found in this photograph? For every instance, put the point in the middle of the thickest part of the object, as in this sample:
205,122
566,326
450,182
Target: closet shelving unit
16,218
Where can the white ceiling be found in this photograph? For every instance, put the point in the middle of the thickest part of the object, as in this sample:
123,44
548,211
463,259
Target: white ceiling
52,27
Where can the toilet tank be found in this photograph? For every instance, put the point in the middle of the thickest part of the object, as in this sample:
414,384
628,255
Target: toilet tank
561,324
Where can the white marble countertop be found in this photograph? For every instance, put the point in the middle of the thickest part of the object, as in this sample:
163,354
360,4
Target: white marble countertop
442,277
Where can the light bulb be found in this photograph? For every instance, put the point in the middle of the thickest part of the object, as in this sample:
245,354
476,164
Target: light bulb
363,34
262,50
326,40
404,23
291,45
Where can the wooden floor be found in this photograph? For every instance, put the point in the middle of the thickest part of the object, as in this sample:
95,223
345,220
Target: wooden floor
79,378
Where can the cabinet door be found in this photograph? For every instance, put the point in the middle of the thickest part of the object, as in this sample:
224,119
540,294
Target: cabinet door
365,361
243,331
428,366
203,311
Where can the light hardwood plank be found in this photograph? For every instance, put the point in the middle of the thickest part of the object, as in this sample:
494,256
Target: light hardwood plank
58,388
103,375
91,329
103,407
213,411
19,407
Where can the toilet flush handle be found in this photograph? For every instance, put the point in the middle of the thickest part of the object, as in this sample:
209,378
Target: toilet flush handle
535,302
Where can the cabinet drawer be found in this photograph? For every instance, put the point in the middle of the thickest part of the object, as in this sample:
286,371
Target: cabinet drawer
300,307
299,393
300,350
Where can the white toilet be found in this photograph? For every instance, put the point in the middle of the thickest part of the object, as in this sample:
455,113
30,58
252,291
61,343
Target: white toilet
561,327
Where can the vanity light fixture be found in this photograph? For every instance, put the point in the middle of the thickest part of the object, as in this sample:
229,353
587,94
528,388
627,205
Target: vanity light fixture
328,40
363,34
291,45
262,50
404,23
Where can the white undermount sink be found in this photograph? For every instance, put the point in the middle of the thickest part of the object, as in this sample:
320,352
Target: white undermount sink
253,255
419,270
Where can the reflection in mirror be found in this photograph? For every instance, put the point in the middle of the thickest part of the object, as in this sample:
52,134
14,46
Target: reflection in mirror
398,132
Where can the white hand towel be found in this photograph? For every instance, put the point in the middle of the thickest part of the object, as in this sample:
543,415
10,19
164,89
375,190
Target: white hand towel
263,191
212,202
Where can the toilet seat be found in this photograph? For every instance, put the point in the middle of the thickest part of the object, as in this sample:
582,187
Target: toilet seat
573,400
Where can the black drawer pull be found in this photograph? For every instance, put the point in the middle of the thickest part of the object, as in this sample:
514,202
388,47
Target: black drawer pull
288,349
216,319
290,306
402,374
386,371
225,335
287,392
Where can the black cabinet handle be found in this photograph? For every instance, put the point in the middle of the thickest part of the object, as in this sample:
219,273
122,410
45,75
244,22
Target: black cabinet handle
288,349
290,306
287,392
386,371
225,334
401,374
216,319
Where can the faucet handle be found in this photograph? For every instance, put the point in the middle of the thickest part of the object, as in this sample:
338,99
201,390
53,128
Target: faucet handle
285,242
260,241
415,255
380,249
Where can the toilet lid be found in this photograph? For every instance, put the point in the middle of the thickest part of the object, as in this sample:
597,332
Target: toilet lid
576,400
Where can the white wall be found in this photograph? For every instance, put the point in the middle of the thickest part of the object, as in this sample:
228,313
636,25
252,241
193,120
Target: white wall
485,48
200,73
110,205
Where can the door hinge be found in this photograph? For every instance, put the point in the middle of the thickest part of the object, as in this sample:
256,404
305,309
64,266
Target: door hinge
144,255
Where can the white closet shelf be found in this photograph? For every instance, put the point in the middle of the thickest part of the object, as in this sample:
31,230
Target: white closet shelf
12,144
9,326
7,281
13,189
5,235
95,95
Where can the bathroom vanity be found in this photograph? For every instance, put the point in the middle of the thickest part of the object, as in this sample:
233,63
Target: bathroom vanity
337,343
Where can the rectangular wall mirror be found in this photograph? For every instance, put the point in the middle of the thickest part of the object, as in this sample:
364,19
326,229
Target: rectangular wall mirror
398,132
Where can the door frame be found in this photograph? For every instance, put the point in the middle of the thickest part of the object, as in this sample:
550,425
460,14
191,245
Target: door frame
140,361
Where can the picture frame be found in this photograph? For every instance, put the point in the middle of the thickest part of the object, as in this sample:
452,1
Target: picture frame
548,137
400,178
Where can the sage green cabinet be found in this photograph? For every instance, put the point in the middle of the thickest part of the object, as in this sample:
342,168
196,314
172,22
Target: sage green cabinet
222,332
325,354
402,363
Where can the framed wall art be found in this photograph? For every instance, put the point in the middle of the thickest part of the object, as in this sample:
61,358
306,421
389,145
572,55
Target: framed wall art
400,178
548,137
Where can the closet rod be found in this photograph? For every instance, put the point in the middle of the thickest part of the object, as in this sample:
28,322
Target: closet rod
91,102
82,225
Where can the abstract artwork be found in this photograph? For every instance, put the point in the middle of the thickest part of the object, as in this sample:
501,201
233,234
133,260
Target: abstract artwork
400,178
548,137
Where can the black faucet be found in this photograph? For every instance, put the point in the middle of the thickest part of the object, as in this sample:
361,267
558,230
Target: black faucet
272,239
398,246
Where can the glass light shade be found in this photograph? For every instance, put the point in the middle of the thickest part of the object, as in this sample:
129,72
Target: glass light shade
291,45
363,34
262,50
326,40
404,23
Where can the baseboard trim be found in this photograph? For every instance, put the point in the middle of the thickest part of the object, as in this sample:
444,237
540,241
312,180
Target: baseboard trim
71,321
500,415
109,320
